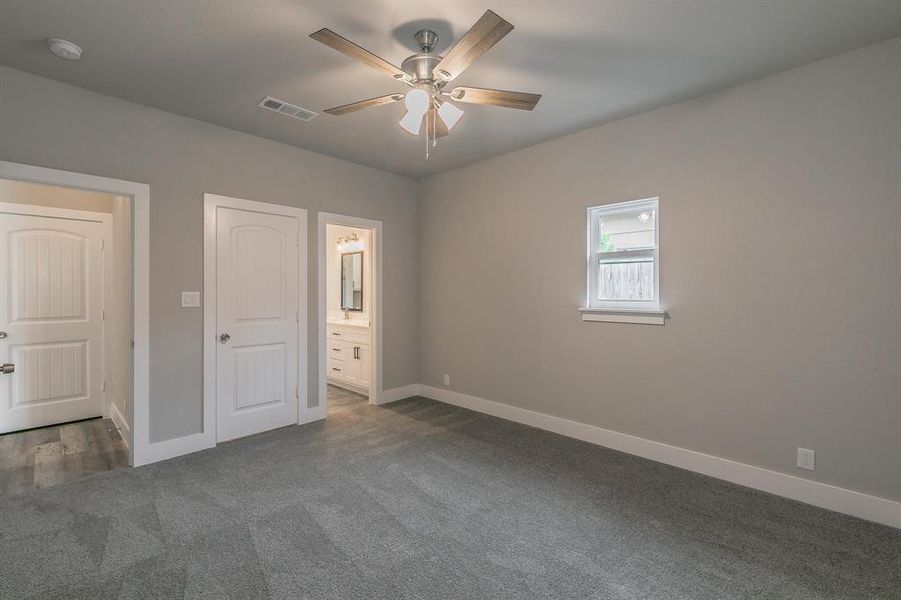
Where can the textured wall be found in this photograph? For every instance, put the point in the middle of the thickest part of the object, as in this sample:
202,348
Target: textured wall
780,215
50,124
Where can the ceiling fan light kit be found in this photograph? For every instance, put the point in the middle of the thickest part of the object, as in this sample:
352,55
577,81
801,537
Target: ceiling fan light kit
429,74
412,122
449,113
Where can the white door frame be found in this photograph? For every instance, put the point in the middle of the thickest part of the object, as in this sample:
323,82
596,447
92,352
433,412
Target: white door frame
210,203
107,247
375,308
140,449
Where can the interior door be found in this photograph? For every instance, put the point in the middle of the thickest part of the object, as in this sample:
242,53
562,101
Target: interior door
51,303
257,317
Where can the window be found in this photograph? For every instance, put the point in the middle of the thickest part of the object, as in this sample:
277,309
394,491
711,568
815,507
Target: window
623,272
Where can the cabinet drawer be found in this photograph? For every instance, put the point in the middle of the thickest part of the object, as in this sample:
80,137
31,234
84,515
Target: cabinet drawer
335,368
356,335
336,349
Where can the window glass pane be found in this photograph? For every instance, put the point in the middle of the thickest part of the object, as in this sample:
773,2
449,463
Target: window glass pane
626,230
626,279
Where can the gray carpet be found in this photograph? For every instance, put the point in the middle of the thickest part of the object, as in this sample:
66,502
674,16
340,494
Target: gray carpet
423,500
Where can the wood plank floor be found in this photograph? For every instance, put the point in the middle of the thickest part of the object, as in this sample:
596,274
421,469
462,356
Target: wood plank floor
41,458
339,398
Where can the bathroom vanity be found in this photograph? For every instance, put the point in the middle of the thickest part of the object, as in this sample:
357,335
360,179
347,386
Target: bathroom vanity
349,346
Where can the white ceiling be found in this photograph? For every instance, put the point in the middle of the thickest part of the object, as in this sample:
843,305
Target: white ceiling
592,61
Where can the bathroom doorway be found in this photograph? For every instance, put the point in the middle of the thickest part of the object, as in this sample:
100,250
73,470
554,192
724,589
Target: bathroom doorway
349,311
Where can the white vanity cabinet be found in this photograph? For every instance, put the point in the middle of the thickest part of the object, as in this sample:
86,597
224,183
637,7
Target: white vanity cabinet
349,356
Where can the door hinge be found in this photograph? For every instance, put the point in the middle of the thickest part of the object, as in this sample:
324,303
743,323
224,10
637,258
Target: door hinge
102,243
103,315
297,316
103,387
297,392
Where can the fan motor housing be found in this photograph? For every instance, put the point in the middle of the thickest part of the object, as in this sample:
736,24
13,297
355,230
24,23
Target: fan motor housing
420,66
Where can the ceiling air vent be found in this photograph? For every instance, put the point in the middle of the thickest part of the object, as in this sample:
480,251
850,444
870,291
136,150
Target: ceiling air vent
284,108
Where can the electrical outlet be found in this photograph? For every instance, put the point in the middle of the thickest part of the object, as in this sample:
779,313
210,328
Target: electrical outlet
806,459
446,379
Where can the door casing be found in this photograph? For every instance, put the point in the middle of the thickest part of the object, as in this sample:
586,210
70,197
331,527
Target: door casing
375,322
210,203
141,450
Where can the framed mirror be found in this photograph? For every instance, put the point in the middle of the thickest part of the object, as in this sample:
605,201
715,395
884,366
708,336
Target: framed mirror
352,281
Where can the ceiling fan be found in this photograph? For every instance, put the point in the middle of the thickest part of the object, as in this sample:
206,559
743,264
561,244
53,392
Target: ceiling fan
430,75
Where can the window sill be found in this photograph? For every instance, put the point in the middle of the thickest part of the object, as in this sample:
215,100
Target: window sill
624,315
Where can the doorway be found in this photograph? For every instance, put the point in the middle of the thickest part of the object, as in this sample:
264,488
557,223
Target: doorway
350,305
254,316
65,332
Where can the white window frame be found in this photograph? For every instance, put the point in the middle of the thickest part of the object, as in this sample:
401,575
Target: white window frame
593,306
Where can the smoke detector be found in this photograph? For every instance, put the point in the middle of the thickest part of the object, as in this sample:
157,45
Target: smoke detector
64,49
287,109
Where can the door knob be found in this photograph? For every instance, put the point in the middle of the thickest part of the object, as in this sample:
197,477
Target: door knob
224,337
7,368
2,335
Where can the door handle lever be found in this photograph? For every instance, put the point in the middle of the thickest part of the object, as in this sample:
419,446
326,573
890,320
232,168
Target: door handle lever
7,368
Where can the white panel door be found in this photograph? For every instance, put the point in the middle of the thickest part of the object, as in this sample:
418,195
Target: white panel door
256,321
51,300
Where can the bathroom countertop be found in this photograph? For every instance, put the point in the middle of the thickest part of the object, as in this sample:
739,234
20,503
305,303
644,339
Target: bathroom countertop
351,322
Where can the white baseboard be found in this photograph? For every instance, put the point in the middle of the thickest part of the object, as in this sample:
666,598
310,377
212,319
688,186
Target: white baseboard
157,451
398,393
200,441
311,414
119,421
823,495
348,386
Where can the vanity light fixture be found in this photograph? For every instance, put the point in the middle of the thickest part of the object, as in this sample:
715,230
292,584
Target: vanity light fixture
350,242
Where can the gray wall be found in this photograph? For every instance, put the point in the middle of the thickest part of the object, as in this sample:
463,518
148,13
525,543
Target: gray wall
50,124
780,212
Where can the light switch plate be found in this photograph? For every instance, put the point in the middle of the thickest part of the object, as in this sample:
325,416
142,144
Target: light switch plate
190,299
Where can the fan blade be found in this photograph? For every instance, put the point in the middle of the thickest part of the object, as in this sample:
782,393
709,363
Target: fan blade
520,100
486,32
345,46
355,106
440,128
